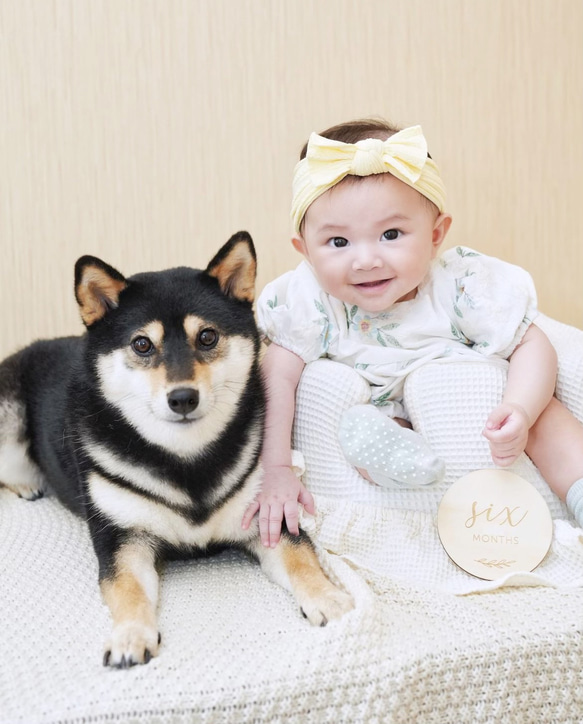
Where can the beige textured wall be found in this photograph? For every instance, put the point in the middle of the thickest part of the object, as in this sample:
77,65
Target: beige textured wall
147,131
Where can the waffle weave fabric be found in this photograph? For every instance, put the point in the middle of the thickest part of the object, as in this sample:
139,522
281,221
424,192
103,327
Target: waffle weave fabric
236,649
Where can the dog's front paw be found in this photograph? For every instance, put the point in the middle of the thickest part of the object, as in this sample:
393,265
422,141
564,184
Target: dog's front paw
131,643
328,604
27,491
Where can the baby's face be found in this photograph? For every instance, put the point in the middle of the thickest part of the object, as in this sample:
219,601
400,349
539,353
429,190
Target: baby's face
371,241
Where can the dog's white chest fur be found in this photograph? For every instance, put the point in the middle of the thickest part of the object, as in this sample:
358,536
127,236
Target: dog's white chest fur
129,509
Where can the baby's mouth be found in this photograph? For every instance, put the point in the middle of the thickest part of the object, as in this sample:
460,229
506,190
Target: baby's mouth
373,285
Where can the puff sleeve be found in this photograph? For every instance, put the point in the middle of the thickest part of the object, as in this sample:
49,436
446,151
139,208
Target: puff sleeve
294,312
493,302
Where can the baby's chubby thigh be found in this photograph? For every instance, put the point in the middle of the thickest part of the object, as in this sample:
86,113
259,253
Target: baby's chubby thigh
393,456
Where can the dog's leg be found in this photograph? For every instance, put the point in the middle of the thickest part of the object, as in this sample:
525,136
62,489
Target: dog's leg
294,565
131,592
17,471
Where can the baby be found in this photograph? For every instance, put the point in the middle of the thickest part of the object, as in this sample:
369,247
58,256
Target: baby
369,215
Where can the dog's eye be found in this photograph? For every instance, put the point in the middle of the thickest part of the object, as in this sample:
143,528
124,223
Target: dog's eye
208,338
142,346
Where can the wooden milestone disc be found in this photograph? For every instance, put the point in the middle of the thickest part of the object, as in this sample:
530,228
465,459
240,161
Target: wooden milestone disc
493,522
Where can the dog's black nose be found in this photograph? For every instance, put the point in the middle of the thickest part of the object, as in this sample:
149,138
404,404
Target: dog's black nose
183,400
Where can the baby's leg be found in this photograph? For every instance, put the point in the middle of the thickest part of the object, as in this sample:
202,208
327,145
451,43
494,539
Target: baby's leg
391,455
555,445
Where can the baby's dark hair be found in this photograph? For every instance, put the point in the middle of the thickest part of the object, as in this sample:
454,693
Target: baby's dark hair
355,131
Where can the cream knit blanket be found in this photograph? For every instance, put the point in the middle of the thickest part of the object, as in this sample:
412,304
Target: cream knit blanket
235,648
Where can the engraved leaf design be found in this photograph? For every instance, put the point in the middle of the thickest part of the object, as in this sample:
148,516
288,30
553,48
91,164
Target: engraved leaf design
503,563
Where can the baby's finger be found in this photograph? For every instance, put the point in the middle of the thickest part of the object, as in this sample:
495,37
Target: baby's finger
290,512
264,513
506,435
249,514
307,500
275,518
504,461
506,454
497,418
504,444
500,447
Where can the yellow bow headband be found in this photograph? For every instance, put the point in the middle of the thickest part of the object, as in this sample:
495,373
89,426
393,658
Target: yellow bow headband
327,162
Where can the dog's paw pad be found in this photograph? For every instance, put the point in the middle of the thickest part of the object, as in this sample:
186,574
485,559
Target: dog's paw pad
130,644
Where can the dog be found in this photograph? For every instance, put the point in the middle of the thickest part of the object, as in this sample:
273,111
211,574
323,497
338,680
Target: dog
150,426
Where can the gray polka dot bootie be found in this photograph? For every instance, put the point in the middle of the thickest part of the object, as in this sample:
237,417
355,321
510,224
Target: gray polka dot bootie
393,456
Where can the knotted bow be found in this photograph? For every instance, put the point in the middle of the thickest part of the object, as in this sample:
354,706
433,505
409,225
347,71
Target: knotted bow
330,161
327,162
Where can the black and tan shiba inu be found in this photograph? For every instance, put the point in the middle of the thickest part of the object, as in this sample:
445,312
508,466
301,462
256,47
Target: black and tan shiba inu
150,426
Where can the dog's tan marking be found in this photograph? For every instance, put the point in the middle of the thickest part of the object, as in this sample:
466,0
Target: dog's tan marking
236,272
96,293
126,599
201,368
301,564
154,331
131,595
203,374
156,374
295,566
192,326
158,380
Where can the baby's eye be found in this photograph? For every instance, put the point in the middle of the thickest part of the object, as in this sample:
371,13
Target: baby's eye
391,234
338,242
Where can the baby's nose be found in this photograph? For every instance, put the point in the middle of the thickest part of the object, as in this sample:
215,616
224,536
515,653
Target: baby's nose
366,258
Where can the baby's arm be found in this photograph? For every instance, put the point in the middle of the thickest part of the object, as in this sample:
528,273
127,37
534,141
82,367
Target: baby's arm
531,383
281,489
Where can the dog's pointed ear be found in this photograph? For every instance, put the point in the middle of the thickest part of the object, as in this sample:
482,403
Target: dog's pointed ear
235,267
97,288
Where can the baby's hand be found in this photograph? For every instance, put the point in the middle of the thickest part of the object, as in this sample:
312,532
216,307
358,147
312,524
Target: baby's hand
506,430
278,499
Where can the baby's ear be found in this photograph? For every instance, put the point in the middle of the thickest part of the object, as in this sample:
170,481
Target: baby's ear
299,244
440,229
235,267
97,288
